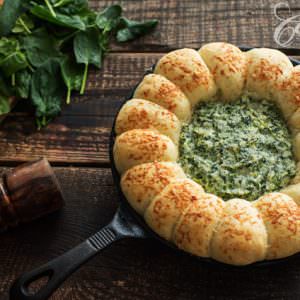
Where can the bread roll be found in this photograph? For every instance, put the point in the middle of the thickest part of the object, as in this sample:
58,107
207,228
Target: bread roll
139,146
294,122
282,220
197,224
296,146
162,91
293,191
166,208
228,64
142,114
296,179
267,69
288,96
187,70
142,183
240,237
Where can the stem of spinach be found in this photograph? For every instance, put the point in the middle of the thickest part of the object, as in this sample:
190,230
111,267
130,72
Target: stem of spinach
84,79
68,37
68,101
50,8
25,26
58,4
13,79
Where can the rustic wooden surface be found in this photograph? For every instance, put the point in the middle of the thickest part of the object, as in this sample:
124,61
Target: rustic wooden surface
77,144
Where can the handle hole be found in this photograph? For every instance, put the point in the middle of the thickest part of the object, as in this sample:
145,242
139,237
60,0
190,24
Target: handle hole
38,282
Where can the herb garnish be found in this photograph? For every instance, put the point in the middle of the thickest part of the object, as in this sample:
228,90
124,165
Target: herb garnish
47,46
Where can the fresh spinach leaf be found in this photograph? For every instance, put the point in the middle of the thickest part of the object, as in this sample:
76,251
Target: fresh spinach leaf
9,13
109,18
11,58
23,82
47,91
130,30
70,21
40,46
87,51
24,24
72,75
5,87
70,7
4,105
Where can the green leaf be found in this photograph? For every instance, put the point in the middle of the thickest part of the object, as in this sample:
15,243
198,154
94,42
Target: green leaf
23,82
70,7
24,24
40,46
109,18
9,13
131,30
72,75
87,50
47,91
11,58
70,21
5,87
4,105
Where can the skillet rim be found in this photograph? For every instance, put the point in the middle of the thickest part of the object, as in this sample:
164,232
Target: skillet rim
139,220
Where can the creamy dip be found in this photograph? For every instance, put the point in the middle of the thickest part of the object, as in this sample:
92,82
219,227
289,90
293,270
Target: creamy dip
238,150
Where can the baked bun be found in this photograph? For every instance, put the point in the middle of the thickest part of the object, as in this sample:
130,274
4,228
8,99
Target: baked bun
228,64
142,183
164,211
288,96
296,146
196,225
162,91
267,69
188,71
292,191
142,114
139,146
282,220
240,237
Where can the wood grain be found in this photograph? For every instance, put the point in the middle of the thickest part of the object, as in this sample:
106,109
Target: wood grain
129,269
191,23
80,135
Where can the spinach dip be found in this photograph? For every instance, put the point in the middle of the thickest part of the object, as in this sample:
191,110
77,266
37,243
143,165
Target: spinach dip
237,150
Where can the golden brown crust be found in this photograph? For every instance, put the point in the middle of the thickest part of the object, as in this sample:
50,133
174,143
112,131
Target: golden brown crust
228,65
166,208
162,91
288,94
142,183
139,146
240,237
281,216
293,191
142,114
186,69
197,224
267,69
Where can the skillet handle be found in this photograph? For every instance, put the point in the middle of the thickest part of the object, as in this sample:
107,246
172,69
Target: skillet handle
59,269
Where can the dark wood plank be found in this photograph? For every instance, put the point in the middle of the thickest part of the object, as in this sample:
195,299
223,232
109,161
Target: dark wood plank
191,23
80,135
129,269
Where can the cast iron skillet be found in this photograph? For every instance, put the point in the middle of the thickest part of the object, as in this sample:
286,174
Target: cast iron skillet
126,223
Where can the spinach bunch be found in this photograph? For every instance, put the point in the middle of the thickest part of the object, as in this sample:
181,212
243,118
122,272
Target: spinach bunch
47,47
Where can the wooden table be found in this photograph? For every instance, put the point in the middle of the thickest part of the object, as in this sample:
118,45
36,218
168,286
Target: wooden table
76,143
